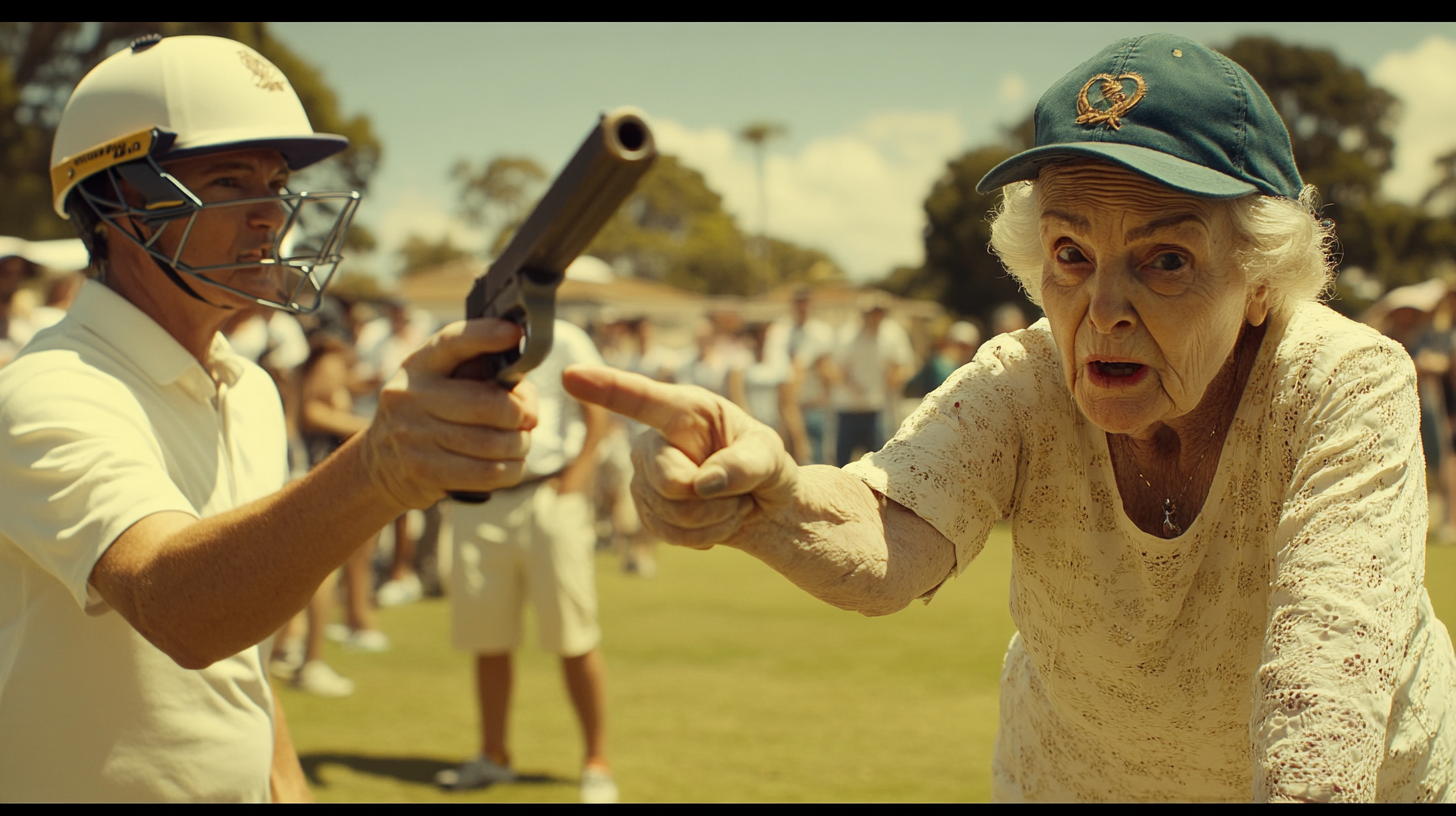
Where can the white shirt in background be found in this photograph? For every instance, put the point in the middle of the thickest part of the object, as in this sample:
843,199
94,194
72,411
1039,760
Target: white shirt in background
275,340
864,361
560,431
803,346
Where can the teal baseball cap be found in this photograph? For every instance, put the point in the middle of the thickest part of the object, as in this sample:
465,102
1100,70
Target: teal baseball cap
1170,109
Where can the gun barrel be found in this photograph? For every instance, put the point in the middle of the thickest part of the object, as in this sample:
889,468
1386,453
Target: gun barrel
602,174
521,284
595,182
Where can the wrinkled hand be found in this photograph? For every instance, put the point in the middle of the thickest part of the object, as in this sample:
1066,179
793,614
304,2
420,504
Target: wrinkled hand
708,472
434,434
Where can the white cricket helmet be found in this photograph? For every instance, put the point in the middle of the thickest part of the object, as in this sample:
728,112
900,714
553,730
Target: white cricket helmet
166,99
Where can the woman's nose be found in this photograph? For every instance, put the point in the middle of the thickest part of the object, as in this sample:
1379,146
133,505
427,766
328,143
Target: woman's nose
1110,309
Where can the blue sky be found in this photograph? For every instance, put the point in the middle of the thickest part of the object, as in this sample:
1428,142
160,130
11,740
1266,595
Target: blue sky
873,111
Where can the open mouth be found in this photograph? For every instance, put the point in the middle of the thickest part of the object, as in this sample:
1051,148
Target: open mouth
1116,373
1117,369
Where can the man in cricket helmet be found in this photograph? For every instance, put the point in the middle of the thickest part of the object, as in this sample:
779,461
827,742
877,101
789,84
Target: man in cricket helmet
148,542
160,106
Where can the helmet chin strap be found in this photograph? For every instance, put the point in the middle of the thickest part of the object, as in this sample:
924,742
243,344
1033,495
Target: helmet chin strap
176,278
171,272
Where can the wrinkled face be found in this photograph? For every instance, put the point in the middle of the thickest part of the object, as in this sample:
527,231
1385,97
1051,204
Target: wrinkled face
1142,292
226,235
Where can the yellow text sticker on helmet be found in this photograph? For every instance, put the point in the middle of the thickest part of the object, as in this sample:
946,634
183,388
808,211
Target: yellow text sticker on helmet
73,169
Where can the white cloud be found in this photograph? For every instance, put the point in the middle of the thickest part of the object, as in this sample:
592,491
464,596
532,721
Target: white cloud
1425,81
1012,89
856,195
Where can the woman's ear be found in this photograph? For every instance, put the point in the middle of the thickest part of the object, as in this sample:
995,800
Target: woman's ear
1258,308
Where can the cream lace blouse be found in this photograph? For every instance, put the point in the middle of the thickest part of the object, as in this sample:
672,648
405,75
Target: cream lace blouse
1282,647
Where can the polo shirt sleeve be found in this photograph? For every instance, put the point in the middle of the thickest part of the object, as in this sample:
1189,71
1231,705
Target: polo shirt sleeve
80,464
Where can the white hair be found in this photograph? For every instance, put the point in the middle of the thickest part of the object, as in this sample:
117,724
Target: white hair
1286,246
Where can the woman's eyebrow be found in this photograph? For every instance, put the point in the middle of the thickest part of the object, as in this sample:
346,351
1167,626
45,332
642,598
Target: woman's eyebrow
1076,222
1147,230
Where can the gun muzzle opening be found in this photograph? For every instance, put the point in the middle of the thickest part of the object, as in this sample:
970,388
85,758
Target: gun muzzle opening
630,137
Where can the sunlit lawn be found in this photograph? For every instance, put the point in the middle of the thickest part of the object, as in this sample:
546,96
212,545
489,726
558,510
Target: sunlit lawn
725,684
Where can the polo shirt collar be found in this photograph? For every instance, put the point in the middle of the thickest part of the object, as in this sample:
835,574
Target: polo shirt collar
146,344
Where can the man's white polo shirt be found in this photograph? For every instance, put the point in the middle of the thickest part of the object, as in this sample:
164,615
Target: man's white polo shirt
105,419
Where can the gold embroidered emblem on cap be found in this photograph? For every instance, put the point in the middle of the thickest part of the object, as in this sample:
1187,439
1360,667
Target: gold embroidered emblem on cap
265,76
1112,93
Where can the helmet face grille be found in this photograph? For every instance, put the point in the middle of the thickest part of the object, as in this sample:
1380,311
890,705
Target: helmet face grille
290,273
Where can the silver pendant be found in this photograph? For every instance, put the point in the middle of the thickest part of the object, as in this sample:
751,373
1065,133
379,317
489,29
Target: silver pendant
1170,527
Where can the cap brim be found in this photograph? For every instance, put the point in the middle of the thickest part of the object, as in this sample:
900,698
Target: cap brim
298,151
1184,176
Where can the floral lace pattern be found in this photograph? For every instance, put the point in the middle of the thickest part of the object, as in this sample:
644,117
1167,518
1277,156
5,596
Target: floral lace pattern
1283,647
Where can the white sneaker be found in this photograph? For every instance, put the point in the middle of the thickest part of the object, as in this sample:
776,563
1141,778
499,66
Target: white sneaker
395,593
318,678
647,567
477,773
597,787
285,665
364,640
368,640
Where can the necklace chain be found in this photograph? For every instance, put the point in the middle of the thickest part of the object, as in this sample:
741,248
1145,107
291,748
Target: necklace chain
1170,507
1247,353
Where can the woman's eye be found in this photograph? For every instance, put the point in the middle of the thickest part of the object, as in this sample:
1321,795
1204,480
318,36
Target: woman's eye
1071,255
1169,262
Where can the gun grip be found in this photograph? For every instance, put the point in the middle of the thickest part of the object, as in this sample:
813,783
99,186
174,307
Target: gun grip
483,368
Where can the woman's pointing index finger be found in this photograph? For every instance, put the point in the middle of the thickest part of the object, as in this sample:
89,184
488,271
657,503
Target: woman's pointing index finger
687,416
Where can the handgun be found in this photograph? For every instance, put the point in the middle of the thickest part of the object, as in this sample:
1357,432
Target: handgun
521,284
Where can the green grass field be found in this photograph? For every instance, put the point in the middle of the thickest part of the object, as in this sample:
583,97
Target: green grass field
725,683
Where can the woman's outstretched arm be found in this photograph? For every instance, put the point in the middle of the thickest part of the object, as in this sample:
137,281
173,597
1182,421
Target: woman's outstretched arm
713,475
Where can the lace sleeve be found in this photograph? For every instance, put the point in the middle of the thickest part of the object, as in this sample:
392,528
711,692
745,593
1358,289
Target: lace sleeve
954,461
1345,582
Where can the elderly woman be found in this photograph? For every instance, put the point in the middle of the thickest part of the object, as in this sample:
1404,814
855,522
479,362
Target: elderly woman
1215,483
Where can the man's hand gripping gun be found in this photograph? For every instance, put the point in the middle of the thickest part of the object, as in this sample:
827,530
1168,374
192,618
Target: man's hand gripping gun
521,285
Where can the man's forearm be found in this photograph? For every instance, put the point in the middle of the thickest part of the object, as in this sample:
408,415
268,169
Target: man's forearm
849,546
202,590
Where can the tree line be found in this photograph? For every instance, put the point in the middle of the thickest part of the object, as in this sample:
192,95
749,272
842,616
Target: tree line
674,228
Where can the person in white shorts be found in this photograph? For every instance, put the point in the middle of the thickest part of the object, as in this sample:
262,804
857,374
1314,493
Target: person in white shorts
536,542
